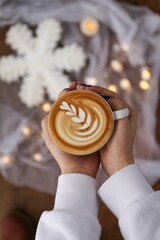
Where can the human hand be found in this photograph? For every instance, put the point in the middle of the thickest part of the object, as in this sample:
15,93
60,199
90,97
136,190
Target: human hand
68,163
118,152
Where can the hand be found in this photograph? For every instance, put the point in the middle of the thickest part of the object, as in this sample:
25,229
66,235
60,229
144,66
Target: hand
118,152
69,163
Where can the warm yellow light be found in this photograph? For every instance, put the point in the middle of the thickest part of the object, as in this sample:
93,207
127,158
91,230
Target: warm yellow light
37,157
146,73
90,80
113,88
145,85
46,107
125,84
6,159
117,66
125,47
89,26
26,131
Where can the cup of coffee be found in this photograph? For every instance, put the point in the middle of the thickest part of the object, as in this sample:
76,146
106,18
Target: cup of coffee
80,122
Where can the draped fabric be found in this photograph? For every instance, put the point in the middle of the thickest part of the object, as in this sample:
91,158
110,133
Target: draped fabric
135,27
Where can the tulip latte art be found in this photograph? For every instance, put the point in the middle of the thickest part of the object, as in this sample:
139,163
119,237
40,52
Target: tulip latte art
80,122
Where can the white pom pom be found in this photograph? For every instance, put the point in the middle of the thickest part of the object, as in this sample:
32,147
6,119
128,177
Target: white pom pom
20,38
55,83
48,34
11,68
70,58
39,64
31,91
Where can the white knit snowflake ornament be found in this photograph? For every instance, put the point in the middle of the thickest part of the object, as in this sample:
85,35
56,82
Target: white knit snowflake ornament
39,62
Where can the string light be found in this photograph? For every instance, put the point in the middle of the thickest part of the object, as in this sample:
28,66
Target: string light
26,131
91,81
37,157
113,88
117,66
125,47
146,73
89,26
125,84
6,159
46,106
143,84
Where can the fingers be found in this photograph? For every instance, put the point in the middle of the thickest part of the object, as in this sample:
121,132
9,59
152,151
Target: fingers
115,102
118,104
72,87
81,85
74,84
64,91
113,99
102,91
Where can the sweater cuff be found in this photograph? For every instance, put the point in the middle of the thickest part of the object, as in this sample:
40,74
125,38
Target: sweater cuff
123,188
77,193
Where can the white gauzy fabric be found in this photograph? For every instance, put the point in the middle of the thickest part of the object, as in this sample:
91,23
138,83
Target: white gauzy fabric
135,27
23,171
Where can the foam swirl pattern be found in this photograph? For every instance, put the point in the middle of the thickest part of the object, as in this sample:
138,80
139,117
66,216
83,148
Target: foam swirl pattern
80,122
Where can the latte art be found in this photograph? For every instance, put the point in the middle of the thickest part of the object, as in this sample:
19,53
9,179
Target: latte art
83,120
80,122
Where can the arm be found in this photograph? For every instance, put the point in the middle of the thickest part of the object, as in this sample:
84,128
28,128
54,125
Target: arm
134,203
75,211
76,205
126,192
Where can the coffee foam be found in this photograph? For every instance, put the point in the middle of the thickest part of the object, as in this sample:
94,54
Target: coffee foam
80,122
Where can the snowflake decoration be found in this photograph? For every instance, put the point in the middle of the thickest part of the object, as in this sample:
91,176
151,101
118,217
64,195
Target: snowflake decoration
38,62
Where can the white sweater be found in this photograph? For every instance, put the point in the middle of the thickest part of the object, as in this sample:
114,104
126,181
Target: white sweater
126,193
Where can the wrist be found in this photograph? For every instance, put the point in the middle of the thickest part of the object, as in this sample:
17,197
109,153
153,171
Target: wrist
116,168
117,164
78,171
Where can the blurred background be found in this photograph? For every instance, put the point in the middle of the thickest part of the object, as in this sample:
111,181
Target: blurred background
46,44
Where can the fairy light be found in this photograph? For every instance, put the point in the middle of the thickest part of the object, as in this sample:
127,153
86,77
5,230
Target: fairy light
125,84
37,157
117,66
46,106
146,73
91,81
113,88
143,84
89,26
6,159
125,47
26,131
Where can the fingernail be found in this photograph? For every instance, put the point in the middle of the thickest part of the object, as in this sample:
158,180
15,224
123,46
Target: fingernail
78,86
80,82
65,89
82,87
106,98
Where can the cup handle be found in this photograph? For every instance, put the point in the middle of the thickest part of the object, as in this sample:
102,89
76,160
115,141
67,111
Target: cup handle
119,114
